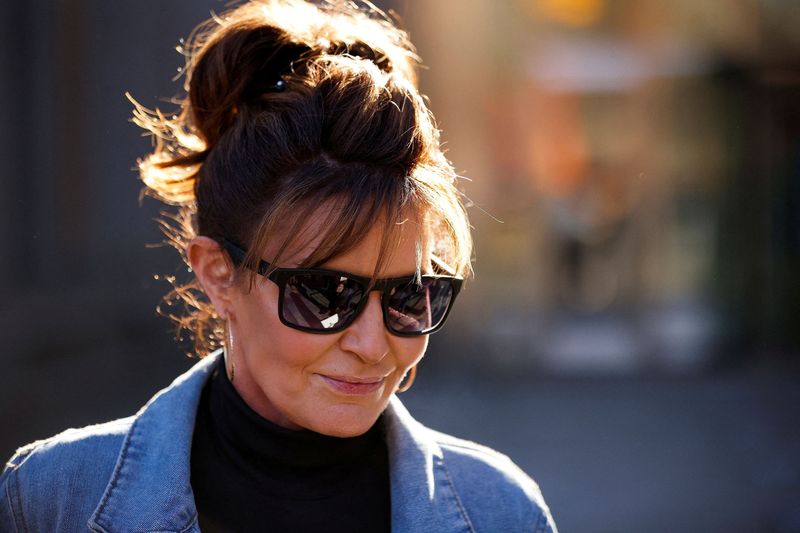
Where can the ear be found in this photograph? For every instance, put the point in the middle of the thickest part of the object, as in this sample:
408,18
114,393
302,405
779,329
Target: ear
214,271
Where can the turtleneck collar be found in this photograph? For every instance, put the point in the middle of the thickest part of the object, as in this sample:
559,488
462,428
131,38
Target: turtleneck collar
244,432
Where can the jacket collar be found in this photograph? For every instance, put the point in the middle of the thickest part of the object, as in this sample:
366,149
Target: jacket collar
150,488
423,496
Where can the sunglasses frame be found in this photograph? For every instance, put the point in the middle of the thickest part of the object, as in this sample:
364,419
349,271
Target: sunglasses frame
280,276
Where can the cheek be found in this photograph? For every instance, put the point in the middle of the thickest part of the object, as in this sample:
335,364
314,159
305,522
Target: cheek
257,312
408,350
295,350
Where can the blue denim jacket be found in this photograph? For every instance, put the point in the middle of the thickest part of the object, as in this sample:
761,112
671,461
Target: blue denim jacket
132,475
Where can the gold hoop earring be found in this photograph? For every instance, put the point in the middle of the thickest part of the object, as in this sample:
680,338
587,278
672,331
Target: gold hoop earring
409,380
229,351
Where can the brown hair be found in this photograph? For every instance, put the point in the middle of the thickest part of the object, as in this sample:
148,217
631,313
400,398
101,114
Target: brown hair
291,105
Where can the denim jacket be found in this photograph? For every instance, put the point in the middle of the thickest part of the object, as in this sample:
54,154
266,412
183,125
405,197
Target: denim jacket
132,475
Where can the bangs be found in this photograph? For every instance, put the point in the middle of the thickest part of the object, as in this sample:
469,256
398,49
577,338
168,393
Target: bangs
332,214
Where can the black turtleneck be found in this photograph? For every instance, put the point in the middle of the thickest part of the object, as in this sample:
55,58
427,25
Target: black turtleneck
249,474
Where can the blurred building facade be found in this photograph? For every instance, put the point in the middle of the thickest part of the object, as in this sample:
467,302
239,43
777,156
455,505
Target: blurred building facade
643,160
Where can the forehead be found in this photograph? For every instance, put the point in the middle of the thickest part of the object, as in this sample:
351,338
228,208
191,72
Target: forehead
405,254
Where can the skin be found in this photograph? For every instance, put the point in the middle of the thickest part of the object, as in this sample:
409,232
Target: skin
299,380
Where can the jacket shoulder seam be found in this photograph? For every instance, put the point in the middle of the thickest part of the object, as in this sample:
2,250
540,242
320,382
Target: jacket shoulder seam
13,501
113,483
459,503
538,520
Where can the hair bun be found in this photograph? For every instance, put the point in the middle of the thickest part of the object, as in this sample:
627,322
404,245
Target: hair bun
236,69
243,54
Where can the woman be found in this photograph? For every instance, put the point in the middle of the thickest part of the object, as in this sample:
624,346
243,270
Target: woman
321,221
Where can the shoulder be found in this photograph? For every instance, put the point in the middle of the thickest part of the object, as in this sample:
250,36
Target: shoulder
442,478
70,469
56,484
73,441
495,492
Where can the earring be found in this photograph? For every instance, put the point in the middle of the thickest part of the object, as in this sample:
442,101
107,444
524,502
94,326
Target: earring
409,379
229,351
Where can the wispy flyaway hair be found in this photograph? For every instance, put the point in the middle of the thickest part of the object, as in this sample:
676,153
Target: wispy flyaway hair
289,106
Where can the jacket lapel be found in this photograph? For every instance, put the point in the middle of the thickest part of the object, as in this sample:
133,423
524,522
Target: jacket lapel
150,488
423,496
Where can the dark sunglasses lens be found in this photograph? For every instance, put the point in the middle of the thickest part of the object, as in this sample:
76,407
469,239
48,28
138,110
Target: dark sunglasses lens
320,301
415,308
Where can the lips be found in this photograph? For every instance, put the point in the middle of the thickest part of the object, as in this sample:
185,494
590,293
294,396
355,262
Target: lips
354,385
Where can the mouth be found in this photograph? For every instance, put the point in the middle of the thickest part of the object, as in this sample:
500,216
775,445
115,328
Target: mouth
352,385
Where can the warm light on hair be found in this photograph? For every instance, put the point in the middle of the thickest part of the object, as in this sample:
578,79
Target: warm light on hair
291,106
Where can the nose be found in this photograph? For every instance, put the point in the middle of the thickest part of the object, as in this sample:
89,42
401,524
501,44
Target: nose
366,336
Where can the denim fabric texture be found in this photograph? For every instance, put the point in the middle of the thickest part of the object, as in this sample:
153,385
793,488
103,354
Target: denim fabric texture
132,475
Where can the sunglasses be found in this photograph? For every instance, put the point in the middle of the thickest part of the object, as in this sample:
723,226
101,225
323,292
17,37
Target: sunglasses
327,301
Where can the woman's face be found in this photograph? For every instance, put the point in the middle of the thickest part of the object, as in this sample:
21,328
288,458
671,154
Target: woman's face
335,384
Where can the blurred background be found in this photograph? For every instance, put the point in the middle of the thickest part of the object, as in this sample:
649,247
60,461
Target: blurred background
632,336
